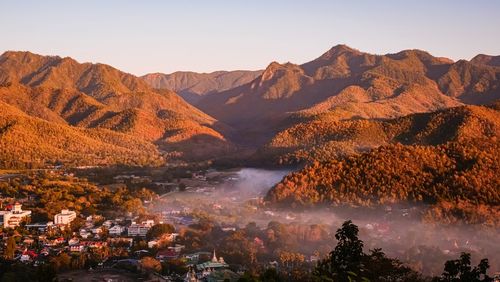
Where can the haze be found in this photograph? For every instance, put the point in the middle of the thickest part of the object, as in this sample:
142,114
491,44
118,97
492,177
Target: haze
204,36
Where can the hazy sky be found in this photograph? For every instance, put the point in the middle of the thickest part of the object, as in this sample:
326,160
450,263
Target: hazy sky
165,36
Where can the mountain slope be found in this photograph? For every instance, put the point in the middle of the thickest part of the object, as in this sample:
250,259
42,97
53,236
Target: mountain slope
352,85
447,160
192,86
30,142
325,137
63,91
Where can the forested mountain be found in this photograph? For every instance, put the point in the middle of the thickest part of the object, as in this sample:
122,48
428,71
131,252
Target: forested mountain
324,137
192,86
448,160
31,142
61,90
351,84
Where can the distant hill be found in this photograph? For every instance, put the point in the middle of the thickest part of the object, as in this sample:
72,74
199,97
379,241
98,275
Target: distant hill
351,84
447,160
192,86
63,91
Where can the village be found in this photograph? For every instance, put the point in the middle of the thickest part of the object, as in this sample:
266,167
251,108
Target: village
199,225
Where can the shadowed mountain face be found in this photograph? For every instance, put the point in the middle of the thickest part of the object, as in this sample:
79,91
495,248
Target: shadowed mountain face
63,91
192,86
352,85
482,59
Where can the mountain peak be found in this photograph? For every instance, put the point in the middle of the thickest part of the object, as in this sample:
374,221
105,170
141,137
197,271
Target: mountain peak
338,50
483,59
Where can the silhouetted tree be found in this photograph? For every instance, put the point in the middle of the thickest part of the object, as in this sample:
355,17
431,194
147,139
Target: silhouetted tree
460,270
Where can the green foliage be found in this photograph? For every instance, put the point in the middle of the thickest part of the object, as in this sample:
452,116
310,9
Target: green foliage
460,270
348,262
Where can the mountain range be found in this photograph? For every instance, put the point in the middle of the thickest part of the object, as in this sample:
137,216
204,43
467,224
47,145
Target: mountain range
97,96
192,86
226,112
353,85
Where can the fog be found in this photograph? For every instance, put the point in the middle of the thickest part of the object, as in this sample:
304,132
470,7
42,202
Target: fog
236,198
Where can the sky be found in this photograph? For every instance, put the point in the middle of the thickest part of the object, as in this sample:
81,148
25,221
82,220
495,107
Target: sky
200,35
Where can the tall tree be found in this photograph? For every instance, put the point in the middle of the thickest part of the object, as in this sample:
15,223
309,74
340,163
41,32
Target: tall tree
461,270
10,249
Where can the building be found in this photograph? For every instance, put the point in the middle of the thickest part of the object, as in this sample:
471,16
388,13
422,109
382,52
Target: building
116,230
138,230
64,217
14,216
40,226
213,264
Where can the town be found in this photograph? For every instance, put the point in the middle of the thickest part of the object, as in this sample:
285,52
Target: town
182,224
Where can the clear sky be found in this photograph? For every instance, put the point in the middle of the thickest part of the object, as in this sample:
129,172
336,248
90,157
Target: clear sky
165,36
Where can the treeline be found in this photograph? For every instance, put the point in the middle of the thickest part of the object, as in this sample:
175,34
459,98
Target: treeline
458,179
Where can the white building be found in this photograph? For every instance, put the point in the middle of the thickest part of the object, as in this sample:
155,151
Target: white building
138,229
14,217
64,217
116,230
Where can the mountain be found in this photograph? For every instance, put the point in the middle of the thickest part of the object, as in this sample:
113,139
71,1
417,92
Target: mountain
192,86
446,160
487,60
352,84
324,137
30,142
63,91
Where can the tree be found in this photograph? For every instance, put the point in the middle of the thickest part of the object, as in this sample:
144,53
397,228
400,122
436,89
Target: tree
460,270
345,261
158,230
10,249
150,264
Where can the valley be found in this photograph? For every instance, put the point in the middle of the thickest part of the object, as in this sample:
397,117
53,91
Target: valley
243,173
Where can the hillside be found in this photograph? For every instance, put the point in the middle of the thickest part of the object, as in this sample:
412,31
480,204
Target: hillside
30,142
191,86
351,84
325,137
63,91
447,160
456,181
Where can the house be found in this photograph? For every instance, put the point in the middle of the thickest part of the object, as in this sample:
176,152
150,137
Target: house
13,217
76,248
84,233
121,241
41,226
177,248
96,230
64,217
138,230
116,230
167,254
73,241
108,223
